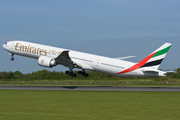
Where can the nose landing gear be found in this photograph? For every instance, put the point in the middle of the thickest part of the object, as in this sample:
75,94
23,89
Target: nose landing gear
12,57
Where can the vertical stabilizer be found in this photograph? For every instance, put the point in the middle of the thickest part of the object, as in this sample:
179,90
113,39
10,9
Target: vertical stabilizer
157,56
153,60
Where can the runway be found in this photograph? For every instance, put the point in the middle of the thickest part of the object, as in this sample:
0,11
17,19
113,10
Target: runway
91,88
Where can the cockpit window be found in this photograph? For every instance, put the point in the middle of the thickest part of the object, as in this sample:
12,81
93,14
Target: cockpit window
5,43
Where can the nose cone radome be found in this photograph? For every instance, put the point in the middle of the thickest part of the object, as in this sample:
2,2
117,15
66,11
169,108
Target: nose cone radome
4,46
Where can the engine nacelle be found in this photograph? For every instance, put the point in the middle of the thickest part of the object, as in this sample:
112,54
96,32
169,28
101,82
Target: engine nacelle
46,61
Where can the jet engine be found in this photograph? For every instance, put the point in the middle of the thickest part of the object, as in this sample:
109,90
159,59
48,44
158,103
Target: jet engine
46,61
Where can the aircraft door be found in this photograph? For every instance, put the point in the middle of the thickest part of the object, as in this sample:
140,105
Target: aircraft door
98,62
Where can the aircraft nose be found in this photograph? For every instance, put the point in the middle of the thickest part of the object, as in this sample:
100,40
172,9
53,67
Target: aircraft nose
4,45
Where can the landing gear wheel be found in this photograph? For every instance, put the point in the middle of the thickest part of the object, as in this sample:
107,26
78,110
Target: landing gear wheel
83,73
86,75
73,75
70,73
11,59
67,72
80,72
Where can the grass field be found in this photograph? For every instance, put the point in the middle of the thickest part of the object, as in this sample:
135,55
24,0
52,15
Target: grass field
136,82
89,105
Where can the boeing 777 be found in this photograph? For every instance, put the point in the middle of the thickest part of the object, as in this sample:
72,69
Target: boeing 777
49,56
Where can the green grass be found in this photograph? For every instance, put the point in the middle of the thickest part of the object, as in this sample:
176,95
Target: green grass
127,82
89,105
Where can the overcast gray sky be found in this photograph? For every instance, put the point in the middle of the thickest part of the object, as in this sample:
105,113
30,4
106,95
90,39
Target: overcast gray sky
112,28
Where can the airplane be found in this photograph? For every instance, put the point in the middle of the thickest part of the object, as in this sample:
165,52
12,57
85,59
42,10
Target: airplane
48,56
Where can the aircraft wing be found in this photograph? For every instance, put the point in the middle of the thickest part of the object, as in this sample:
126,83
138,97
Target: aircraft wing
64,59
121,58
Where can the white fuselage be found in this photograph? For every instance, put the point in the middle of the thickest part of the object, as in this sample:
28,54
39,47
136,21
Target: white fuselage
92,62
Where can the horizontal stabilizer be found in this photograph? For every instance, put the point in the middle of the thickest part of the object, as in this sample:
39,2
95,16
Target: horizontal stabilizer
150,71
170,71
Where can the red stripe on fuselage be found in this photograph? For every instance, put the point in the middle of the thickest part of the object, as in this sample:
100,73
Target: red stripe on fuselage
138,65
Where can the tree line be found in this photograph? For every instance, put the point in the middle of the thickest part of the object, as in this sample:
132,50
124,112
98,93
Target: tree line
55,75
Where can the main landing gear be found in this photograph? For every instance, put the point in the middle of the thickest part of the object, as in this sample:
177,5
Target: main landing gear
70,73
83,73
